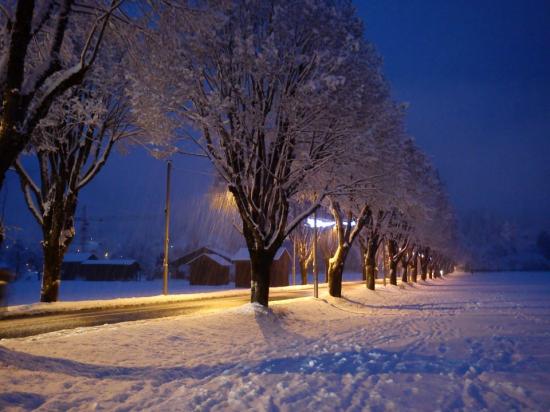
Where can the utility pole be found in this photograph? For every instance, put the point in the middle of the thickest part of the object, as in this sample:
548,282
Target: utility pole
315,274
166,230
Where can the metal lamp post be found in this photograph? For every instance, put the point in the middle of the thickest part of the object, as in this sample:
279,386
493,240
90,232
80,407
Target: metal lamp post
315,274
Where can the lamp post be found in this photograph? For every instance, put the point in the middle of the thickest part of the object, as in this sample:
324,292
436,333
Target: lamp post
315,274
166,230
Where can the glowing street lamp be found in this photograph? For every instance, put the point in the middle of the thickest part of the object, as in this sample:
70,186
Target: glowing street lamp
324,223
320,223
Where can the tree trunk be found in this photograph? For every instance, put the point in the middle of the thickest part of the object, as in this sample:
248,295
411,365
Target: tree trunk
423,272
391,248
51,278
303,271
11,141
414,269
260,264
58,233
327,264
393,272
405,265
370,262
335,271
424,268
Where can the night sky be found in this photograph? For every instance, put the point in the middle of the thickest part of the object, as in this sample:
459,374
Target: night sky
477,77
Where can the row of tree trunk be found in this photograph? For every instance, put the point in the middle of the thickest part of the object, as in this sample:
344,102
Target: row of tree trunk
431,267
412,263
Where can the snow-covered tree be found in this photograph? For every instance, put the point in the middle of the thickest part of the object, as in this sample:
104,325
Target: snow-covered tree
327,244
409,210
386,167
404,215
301,237
366,159
38,62
270,91
370,240
435,234
71,145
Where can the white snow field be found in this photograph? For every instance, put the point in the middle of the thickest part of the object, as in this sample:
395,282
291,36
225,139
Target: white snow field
26,292
467,342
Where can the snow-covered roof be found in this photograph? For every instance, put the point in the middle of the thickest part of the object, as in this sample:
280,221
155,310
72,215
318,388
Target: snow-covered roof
280,253
78,257
191,255
242,254
220,252
216,258
118,262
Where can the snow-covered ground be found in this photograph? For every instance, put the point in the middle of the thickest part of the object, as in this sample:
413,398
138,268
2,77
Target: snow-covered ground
468,342
26,292
185,294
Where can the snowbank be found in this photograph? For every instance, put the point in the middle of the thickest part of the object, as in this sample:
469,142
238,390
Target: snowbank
78,290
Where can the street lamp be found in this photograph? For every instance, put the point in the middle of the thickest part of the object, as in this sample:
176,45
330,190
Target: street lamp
315,274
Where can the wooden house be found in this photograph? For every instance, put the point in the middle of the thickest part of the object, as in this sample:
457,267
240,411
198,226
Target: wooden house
180,268
71,266
110,269
209,269
278,274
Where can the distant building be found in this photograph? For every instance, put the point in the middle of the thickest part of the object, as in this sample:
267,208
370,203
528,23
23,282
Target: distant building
5,277
71,266
180,269
110,269
278,274
209,269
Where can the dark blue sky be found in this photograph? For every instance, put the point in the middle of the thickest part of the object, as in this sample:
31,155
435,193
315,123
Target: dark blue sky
477,77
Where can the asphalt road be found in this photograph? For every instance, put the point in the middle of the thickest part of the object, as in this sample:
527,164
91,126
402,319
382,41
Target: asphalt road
29,325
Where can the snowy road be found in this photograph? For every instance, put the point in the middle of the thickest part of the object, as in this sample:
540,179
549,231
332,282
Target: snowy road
465,343
22,326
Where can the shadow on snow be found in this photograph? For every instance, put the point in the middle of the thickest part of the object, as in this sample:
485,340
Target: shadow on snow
371,362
